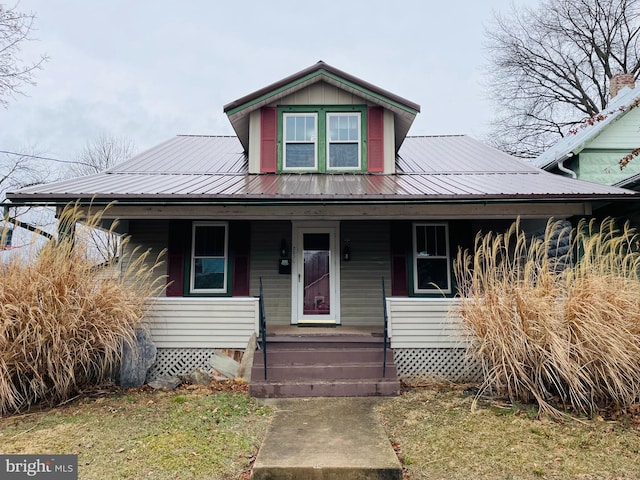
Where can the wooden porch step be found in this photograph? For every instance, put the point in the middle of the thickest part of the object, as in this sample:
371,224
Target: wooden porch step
326,365
324,371
306,355
335,388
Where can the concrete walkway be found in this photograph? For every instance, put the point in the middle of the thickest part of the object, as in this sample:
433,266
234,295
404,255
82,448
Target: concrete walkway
326,439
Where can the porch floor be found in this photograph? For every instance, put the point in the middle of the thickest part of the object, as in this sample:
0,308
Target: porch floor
295,330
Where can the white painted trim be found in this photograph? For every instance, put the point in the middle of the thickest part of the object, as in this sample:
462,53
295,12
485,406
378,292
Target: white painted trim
298,229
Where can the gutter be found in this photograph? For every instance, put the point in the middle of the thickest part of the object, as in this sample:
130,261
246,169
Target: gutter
564,169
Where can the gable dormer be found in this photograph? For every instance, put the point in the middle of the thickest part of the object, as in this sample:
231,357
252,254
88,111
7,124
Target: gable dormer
321,120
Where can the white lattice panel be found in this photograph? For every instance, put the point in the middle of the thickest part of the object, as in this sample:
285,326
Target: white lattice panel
424,364
175,362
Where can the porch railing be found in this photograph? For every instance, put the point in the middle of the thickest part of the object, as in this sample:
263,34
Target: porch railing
385,331
262,328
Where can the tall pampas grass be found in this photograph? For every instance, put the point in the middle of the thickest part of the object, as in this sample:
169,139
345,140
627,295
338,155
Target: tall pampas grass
62,321
563,331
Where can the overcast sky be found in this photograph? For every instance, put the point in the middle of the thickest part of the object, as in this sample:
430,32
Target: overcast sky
149,70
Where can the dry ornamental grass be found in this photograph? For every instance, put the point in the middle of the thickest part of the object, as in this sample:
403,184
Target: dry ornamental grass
563,331
62,324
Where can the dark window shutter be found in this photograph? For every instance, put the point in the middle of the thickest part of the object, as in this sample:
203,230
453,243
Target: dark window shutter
375,137
268,140
401,240
399,276
179,234
239,237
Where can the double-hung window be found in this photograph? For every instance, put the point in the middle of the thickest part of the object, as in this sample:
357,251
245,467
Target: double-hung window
431,262
209,258
322,139
300,141
343,141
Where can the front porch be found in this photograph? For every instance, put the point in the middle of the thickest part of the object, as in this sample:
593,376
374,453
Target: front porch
424,338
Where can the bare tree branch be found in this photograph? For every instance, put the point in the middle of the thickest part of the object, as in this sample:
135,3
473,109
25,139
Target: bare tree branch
102,153
550,67
15,29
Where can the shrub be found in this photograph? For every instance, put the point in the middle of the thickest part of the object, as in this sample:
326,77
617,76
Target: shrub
62,321
553,331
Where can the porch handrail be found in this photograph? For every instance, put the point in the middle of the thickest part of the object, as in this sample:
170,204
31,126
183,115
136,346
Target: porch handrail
262,327
385,331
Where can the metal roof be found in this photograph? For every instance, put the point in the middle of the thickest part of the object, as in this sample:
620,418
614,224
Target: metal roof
575,141
214,169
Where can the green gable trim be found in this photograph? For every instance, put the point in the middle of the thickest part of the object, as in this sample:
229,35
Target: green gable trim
325,73
322,136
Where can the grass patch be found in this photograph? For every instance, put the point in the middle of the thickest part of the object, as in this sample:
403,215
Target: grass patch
189,434
442,434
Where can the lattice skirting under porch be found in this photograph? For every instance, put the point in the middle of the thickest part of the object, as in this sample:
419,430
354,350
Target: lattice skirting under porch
436,364
413,364
175,362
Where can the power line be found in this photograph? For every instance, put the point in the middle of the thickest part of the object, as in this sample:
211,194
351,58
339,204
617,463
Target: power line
45,158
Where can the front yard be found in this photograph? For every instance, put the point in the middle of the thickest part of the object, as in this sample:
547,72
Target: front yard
214,433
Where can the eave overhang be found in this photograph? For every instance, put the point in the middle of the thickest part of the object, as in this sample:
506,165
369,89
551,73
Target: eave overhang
239,110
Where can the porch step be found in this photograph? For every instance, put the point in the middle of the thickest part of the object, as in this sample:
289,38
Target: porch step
332,365
380,387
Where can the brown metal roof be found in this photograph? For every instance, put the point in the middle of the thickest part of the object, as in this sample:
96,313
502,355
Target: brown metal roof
214,169
319,66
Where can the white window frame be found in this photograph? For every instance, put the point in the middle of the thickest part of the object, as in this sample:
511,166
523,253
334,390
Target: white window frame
358,115
314,168
194,227
417,256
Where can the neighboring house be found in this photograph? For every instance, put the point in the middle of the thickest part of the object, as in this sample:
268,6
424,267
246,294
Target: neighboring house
320,196
604,148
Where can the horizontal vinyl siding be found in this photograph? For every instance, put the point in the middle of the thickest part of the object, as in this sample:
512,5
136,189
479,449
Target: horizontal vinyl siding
361,278
266,237
203,322
622,133
424,323
145,235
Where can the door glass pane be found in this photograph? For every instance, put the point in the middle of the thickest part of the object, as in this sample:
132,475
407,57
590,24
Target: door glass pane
317,300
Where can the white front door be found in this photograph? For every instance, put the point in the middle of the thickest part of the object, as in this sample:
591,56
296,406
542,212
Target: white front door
315,275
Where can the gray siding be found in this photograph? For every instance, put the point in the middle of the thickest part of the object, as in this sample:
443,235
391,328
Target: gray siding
361,278
265,255
144,235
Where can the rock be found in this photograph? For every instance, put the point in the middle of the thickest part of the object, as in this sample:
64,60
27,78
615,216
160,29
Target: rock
137,360
244,372
165,383
224,365
198,377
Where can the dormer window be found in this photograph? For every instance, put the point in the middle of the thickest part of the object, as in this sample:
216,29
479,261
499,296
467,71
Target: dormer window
300,141
322,139
343,141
